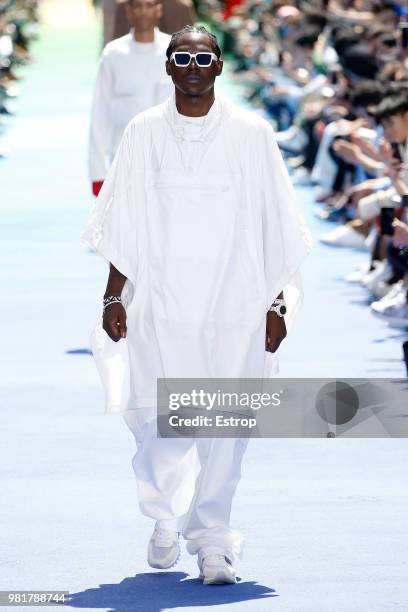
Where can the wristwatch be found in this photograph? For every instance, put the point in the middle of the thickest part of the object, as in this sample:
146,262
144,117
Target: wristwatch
279,306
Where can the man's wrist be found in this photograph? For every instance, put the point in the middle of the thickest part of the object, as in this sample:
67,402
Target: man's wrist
279,306
111,299
112,293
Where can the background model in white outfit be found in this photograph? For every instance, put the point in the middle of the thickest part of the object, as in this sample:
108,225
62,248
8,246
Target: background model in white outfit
131,78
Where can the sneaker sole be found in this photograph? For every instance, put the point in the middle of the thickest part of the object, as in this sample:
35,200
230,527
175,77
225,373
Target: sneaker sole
218,578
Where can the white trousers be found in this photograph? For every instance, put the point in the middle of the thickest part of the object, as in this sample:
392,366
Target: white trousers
188,484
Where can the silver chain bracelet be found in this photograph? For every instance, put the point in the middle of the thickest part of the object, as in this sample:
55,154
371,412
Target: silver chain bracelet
111,299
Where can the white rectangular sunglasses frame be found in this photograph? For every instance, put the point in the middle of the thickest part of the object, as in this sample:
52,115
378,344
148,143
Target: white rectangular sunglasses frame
173,58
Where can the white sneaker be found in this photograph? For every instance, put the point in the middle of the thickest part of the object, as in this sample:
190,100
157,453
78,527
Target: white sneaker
344,236
287,135
382,273
393,291
300,177
394,309
217,569
381,290
357,275
294,137
164,548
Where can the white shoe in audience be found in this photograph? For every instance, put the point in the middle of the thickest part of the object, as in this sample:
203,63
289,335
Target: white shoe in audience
392,293
294,138
383,272
381,290
344,236
393,308
300,177
357,275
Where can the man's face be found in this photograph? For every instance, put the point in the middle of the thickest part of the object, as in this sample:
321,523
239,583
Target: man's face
143,14
396,127
193,80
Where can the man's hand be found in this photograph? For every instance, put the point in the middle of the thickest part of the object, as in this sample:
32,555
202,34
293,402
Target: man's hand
365,146
400,237
275,331
346,150
114,321
345,127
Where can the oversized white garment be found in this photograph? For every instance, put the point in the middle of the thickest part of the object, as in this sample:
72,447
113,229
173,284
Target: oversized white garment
207,240
131,78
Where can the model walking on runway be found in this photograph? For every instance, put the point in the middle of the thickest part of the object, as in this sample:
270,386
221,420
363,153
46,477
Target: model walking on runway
199,222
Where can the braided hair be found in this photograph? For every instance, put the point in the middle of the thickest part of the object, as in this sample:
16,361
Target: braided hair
187,30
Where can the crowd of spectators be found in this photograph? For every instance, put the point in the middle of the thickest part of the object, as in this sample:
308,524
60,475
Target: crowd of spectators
332,77
18,26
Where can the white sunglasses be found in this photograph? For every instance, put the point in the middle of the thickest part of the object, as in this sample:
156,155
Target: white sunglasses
203,59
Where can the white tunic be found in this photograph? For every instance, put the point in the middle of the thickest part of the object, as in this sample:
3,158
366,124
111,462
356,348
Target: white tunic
131,78
203,222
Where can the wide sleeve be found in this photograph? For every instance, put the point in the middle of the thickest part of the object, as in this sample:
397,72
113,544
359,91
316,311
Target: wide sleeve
111,228
286,238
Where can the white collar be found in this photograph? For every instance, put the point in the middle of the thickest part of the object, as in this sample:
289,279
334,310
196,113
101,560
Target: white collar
199,132
139,45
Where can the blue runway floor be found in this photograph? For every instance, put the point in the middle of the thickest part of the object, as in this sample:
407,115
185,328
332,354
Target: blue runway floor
325,521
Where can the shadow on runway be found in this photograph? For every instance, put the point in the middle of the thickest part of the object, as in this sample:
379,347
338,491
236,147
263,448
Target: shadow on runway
385,359
365,301
156,591
79,351
397,336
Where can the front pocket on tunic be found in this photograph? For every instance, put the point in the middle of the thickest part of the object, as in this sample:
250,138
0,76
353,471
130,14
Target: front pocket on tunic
198,243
